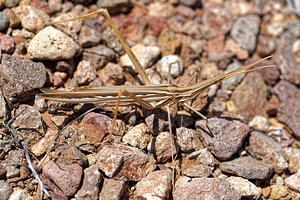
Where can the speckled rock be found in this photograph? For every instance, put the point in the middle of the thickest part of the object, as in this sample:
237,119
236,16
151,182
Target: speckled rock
268,150
30,118
156,120
289,110
250,96
293,181
193,168
226,136
162,148
20,79
204,188
5,190
279,192
244,187
112,189
174,62
145,54
85,72
88,37
279,135
20,194
188,139
204,157
286,59
245,30
98,56
138,136
155,184
31,18
68,155
90,185
293,155
95,126
66,177
125,163
168,42
42,145
161,9
217,18
51,44
247,167
7,44
231,83
259,123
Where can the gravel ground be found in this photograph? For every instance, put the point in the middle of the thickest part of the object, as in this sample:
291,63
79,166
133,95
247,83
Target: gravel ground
252,150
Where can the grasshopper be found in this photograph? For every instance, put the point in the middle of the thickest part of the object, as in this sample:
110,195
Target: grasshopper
148,96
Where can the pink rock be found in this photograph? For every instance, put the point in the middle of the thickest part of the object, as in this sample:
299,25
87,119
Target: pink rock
217,18
226,135
204,188
66,177
125,163
95,126
162,148
7,44
156,184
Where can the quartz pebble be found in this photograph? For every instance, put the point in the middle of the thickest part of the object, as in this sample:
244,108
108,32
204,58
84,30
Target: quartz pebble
259,123
244,187
5,190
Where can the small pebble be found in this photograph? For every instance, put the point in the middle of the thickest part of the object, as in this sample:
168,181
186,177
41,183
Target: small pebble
244,187
138,136
145,54
245,30
5,190
259,123
20,194
172,62
4,21
11,3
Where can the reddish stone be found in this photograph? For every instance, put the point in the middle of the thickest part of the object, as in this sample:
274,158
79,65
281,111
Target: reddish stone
41,5
7,44
66,177
185,11
156,24
217,18
95,126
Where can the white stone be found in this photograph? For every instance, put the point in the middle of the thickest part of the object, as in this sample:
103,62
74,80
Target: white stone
259,123
51,44
145,54
244,187
176,63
